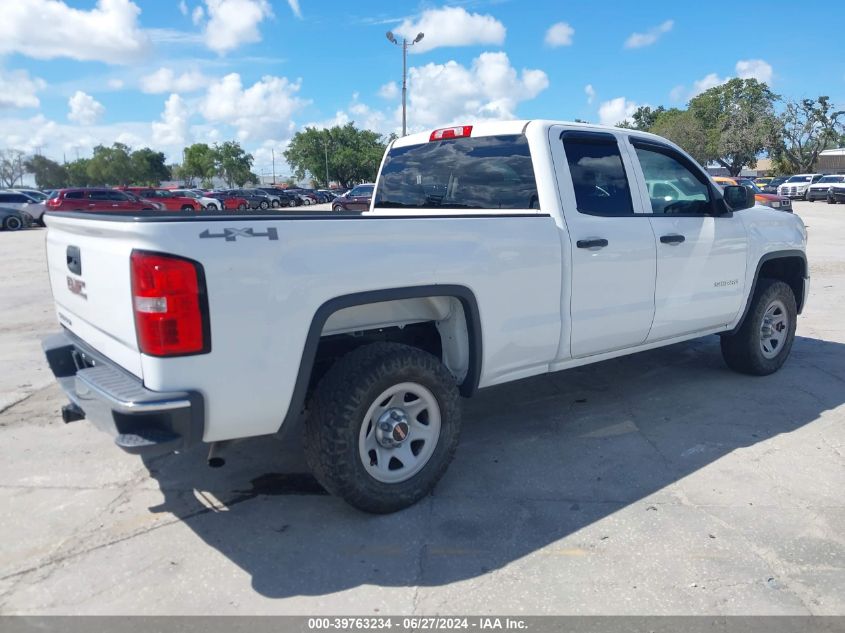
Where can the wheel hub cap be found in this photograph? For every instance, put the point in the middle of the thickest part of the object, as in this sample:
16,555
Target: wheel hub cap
392,428
774,329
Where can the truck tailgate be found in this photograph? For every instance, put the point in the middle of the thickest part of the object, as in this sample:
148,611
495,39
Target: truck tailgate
88,262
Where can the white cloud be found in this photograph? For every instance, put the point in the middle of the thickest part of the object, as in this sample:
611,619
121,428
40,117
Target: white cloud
183,7
559,34
745,69
590,92
18,89
166,80
264,110
232,23
115,83
390,90
171,130
616,110
491,88
294,6
705,83
754,69
452,26
639,40
197,15
84,109
46,29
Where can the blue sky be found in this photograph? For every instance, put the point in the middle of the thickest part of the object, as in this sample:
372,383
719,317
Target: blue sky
166,73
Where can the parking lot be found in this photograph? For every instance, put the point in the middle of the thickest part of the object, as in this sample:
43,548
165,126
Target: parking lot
659,483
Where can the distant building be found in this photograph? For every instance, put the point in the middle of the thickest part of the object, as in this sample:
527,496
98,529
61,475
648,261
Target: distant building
831,161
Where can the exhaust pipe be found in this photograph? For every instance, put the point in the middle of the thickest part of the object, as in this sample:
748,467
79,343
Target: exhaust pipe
215,458
71,413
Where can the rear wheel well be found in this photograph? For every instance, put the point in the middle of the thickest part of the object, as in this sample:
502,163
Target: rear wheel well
791,270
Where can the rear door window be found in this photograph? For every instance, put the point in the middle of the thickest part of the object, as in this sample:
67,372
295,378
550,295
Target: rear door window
487,172
598,175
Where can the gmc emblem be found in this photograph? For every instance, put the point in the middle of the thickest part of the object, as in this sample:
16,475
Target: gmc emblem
77,287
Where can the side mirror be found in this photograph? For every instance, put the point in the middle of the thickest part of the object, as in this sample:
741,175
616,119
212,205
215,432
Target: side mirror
738,198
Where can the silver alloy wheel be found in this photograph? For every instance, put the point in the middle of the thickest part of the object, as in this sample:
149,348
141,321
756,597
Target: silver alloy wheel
399,433
774,329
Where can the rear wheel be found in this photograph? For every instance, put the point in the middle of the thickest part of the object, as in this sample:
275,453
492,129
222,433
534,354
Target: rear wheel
12,223
383,426
187,207
264,204
762,345
242,207
337,207
276,204
211,207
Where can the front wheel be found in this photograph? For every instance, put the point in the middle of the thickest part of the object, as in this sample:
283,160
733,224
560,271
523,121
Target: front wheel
263,204
337,207
383,426
762,345
12,223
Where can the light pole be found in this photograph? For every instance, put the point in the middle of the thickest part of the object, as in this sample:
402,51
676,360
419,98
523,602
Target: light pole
405,44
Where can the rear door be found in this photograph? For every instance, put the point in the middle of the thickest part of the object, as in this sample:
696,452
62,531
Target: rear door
701,257
613,254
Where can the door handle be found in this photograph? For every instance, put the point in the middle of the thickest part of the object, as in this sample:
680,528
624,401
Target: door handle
592,243
672,239
91,204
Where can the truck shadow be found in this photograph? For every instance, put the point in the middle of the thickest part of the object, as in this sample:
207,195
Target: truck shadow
539,460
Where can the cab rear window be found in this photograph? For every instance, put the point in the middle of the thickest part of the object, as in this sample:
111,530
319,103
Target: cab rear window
488,172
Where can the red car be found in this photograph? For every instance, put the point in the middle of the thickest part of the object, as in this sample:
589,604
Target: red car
229,202
96,199
167,199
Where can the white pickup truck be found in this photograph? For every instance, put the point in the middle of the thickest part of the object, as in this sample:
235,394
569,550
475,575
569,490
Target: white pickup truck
490,253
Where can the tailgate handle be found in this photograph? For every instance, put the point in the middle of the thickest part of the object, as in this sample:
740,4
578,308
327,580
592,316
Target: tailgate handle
74,260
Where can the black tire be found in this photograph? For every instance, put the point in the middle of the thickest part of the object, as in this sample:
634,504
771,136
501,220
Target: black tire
831,199
337,208
13,223
264,205
336,415
187,207
276,204
241,207
743,351
291,203
211,207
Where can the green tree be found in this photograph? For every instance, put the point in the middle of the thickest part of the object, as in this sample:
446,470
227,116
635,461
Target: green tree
643,118
739,119
110,165
48,173
199,162
77,172
148,167
234,164
11,167
353,155
682,128
806,128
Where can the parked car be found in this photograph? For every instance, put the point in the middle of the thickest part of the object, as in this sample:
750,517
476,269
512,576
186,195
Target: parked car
819,190
277,198
205,202
762,181
774,183
228,201
374,326
836,193
167,198
255,198
356,199
34,193
98,199
768,199
23,201
796,186
14,219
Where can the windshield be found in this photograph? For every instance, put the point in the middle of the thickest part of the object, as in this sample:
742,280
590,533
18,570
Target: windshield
488,172
751,184
833,179
800,179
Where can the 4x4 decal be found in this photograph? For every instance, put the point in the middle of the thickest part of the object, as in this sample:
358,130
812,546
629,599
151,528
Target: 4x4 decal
230,235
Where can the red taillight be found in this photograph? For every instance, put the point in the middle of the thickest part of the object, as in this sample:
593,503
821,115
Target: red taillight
53,202
168,296
451,132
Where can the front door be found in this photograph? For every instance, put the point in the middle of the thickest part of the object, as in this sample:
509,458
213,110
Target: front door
612,265
701,255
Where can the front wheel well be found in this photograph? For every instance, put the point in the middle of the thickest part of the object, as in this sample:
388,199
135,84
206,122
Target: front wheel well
791,270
